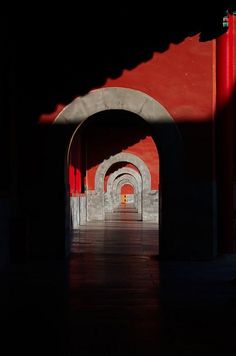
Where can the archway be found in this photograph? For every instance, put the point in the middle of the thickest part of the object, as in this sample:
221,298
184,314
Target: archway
121,183
164,133
125,171
128,194
95,198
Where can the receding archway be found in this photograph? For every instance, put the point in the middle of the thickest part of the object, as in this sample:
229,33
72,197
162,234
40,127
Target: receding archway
165,134
109,194
95,199
128,195
116,190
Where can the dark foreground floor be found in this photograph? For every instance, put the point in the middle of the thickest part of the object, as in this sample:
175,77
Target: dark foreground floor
115,298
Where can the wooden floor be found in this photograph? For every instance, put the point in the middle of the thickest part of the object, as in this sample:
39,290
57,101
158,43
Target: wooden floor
114,297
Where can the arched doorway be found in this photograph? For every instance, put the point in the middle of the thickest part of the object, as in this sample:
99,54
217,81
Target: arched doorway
164,134
126,192
125,173
96,202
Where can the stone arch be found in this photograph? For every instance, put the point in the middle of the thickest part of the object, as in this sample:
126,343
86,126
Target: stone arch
126,179
165,132
125,184
118,187
122,157
121,171
96,202
116,99
166,136
109,197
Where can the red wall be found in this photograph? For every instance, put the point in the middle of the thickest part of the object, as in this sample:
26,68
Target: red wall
75,171
182,79
234,94
127,189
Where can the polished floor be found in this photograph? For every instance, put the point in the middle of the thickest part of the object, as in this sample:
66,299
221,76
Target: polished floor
114,297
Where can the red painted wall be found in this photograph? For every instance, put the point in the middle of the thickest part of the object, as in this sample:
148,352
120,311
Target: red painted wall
127,189
182,79
75,171
234,94
234,49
